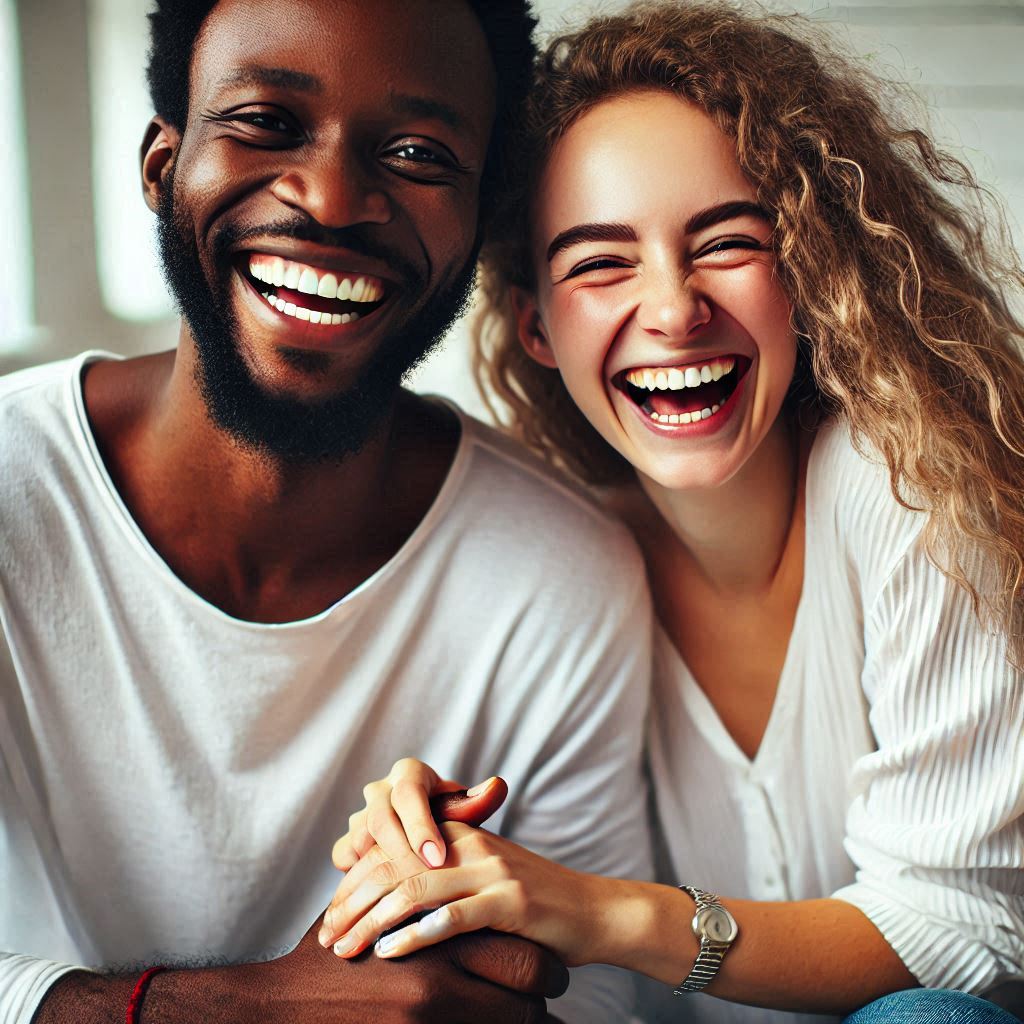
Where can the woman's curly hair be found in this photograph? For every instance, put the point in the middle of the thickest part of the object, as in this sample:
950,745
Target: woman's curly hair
900,286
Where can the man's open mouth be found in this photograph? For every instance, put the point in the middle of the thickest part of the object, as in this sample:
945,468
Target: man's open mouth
672,395
312,294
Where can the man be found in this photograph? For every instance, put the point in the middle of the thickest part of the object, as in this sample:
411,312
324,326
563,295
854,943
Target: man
238,580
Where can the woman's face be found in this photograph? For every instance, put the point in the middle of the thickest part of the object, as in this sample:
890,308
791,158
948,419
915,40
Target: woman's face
657,298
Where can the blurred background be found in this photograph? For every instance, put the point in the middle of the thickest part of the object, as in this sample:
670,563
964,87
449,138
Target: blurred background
76,239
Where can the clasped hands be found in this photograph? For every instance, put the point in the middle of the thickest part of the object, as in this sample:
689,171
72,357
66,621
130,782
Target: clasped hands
400,862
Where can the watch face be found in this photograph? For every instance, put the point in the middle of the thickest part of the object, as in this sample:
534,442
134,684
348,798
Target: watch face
716,923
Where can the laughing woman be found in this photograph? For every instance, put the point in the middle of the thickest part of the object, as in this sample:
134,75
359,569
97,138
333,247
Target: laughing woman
765,321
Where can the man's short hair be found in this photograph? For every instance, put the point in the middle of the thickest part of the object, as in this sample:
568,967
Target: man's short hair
508,26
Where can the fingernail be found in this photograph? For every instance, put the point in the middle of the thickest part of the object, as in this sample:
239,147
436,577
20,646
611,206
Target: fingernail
344,945
324,936
431,853
434,924
385,945
480,787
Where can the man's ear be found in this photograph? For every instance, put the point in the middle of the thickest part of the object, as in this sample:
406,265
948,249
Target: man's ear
530,328
156,156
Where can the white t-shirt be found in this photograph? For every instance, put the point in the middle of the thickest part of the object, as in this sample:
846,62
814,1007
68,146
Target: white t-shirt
891,773
172,778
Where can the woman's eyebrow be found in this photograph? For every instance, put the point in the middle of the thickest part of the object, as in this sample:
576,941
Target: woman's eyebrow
613,232
726,211
590,233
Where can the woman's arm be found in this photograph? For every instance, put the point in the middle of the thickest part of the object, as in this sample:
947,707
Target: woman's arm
816,955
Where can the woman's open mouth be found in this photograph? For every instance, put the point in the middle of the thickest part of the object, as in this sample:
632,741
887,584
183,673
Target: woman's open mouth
310,293
674,395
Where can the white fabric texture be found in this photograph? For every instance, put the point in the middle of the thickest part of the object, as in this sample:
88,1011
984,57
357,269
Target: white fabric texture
891,773
172,779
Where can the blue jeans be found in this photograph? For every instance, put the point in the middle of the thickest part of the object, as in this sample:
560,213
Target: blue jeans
930,1006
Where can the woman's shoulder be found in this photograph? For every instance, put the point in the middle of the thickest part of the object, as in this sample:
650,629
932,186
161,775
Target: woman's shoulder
852,508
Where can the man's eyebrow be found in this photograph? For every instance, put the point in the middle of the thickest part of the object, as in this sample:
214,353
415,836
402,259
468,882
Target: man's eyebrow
284,77
590,233
725,211
422,106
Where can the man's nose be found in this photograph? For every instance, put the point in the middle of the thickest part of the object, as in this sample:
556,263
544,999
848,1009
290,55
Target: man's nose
334,190
673,304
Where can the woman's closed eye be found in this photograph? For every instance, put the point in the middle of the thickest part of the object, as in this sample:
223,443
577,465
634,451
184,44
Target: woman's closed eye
726,250
594,265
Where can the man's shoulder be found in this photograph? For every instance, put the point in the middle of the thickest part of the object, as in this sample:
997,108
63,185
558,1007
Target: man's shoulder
535,503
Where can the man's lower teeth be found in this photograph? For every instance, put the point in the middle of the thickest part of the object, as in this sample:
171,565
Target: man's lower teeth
314,316
685,417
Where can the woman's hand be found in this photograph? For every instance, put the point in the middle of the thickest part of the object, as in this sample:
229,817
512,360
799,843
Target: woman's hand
488,882
399,819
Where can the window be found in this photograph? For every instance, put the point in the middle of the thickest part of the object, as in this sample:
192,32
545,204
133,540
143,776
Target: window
130,281
16,299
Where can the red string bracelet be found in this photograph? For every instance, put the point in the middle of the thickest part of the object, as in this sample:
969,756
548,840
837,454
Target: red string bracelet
134,1012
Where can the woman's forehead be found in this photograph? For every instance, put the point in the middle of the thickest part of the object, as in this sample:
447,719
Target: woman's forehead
644,154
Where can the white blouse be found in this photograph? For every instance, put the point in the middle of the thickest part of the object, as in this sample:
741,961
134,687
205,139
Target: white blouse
891,773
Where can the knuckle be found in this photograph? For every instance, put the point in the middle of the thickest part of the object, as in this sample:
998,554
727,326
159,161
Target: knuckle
376,821
517,896
355,822
385,874
413,890
499,867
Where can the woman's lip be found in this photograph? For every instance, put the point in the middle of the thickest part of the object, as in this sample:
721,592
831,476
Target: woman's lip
700,428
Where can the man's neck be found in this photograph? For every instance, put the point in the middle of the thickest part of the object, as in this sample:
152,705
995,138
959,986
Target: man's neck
260,538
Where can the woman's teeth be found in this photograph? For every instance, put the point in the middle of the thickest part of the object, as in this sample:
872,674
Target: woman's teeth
675,395
685,417
676,378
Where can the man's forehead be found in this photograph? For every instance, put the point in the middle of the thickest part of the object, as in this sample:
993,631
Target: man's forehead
421,50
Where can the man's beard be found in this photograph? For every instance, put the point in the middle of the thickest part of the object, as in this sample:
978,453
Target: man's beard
279,426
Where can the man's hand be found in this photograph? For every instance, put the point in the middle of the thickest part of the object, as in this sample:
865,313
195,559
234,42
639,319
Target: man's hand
480,977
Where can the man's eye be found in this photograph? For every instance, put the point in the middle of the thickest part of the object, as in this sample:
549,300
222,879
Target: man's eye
267,122
421,162
417,154
257,125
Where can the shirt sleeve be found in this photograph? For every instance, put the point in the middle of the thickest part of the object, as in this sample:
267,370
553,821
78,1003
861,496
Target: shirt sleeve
936,823
583,800
24,981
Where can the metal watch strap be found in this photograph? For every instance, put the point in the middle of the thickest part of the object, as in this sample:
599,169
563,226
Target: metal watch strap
709,959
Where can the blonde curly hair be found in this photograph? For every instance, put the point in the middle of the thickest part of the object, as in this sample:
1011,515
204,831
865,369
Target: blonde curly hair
899,277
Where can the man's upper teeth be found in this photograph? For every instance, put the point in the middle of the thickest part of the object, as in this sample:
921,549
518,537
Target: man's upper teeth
281,273
676,378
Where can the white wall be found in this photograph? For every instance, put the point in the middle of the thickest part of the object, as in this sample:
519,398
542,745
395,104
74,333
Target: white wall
89,274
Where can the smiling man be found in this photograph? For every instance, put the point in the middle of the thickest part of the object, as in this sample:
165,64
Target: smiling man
240,579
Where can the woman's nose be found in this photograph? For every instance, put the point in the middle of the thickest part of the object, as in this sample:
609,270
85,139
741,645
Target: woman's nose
673,305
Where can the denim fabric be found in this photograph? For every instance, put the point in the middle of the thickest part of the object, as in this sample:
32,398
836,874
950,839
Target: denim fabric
930,1006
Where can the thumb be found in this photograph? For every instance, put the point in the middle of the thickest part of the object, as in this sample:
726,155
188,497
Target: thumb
473,806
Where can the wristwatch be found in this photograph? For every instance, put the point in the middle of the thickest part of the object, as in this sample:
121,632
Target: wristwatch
716,929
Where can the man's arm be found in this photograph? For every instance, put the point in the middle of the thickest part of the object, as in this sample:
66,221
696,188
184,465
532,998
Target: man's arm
479,977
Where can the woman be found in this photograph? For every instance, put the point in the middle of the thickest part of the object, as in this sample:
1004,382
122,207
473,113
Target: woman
746,306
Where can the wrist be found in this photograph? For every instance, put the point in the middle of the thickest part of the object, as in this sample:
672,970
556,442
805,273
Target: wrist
646,928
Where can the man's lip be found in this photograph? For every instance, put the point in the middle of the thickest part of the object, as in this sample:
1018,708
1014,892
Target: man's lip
302,330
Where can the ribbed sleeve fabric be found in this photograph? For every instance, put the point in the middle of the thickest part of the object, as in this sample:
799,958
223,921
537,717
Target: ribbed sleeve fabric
934,826
24,981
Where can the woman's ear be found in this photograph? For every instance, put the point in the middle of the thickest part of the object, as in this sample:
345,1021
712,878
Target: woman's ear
159,146
530,328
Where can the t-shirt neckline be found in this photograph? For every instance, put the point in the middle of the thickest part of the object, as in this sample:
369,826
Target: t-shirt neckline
140,542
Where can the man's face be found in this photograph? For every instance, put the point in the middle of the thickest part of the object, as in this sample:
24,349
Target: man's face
318,224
